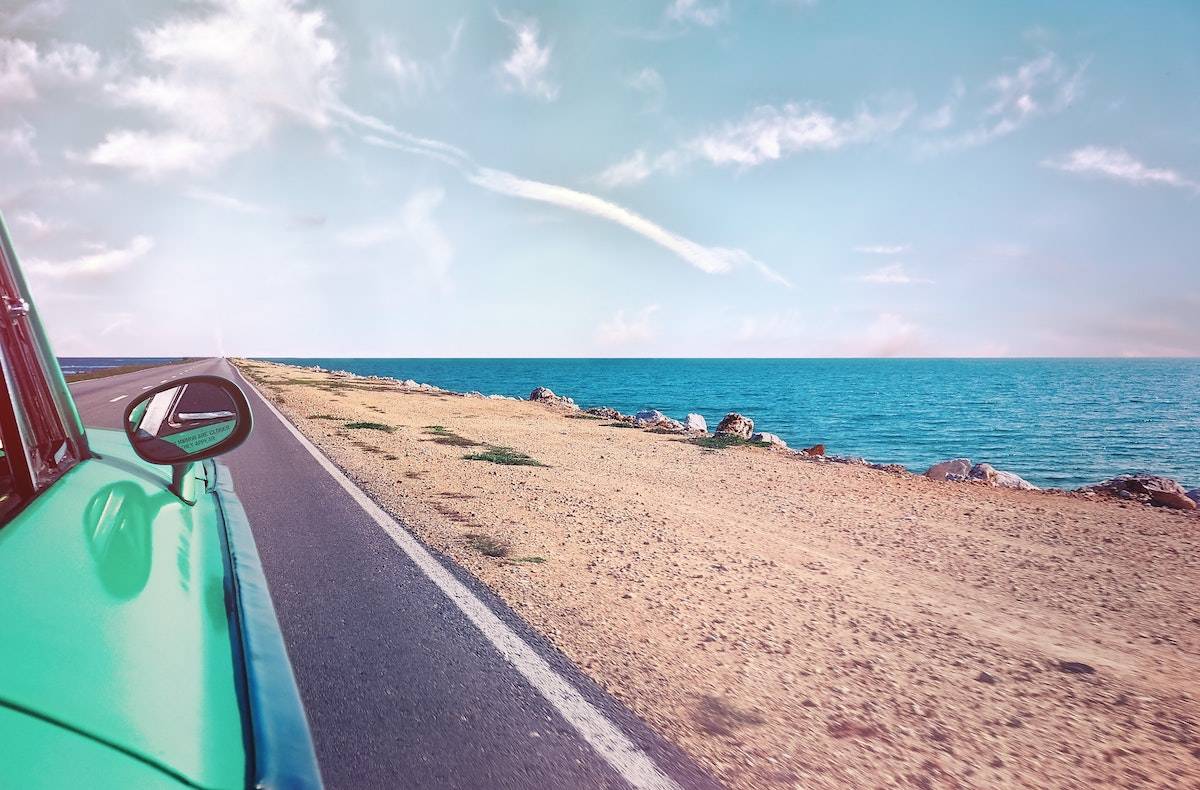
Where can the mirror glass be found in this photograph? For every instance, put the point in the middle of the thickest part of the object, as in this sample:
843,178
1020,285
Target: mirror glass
182,423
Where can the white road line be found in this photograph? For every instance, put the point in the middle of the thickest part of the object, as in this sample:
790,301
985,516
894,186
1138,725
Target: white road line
147,386
637,767
119,397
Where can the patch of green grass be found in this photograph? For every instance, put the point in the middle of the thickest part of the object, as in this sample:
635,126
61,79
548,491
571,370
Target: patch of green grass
583,416
370,426
487,545
531,560
443,435
723,441
503,455
619,425
325,417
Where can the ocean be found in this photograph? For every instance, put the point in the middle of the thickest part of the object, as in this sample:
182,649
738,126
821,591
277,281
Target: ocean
1056,422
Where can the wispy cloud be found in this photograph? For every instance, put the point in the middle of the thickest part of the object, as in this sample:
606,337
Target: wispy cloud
697,12
37,227
101,262
417,230
415,76
882,249
33,14
1119,164
222,200
18,141
712,260
623,330
943,116
526,70
220,84
891,274
1041,86
650,84
766,134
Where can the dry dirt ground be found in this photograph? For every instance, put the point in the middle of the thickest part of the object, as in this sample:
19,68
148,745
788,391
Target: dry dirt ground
790,623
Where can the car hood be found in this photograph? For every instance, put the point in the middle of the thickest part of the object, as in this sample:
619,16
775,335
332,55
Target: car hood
115,616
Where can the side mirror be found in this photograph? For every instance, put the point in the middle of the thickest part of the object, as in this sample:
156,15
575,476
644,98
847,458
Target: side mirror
187,420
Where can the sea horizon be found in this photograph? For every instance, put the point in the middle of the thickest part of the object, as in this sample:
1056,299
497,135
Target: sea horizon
1059,422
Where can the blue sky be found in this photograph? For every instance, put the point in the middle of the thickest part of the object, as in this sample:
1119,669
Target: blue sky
672,178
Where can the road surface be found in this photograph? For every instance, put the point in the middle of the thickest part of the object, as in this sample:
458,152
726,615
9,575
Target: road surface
400,687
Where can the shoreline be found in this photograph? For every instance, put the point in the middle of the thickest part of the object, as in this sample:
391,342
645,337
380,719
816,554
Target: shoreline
1125,485
798,622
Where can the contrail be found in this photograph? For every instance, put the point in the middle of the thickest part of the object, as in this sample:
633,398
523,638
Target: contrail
711,260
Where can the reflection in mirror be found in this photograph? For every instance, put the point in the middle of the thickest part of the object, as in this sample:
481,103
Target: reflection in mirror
182,422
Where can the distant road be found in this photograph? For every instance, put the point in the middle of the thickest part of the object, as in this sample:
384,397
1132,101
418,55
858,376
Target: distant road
401,688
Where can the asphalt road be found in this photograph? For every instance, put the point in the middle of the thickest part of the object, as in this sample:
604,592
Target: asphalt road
401,689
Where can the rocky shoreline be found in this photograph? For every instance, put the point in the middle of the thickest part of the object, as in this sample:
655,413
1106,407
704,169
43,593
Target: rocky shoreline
1151,490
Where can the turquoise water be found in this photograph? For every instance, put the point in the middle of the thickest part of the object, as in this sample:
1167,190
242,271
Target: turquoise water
1056,422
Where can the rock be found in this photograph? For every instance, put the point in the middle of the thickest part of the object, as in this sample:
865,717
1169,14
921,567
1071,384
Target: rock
984,677
674,426
955,466
995,477
896,469
695,423
770,439
546,395
734,424
1076,667
1194,495
605,412
816,449
648,418
1147,489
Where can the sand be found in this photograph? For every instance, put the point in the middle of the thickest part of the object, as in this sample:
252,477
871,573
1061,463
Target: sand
796,624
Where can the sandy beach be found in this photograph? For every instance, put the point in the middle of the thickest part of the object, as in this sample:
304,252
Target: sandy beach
799,624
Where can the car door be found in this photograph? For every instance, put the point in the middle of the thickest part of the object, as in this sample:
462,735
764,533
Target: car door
114,625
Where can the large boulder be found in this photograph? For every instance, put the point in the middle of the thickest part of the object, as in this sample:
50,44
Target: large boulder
605,412
1001,479
960,467
673,426
546,395
695,423
769,438
816,449
1194,495
1148,489
648,418
734,424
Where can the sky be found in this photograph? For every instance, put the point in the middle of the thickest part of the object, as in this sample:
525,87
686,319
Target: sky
642,178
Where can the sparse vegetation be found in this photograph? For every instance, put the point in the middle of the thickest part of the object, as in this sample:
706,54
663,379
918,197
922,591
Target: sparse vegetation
530,560
503,455
619,425
370,426
583,416
487,545
723,441
443,435
325,417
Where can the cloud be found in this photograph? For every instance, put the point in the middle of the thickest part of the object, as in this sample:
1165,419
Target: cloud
221,200
697,12
622,331
417,228
34,14
1119,164
414,76
943,116
766,134
889,335
628,171
23,66
712,260
892,274
882,249
220,84
648,80
1037,87
100,263
18,141
36,227
526,69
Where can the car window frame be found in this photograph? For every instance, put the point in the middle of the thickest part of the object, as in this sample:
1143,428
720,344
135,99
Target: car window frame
32,380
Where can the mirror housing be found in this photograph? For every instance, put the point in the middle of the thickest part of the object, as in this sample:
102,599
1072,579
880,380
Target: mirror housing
187,420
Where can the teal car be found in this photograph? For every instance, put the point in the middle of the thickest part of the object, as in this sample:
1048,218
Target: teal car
139,647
